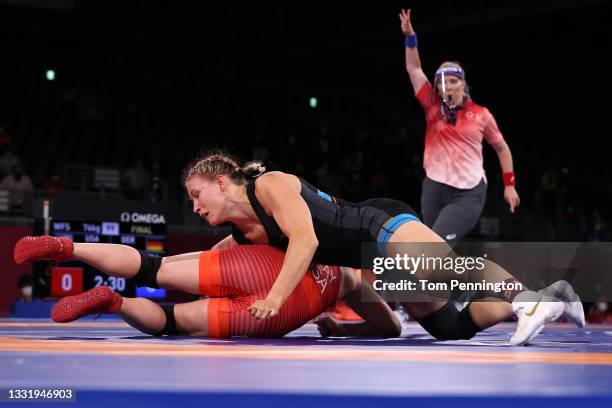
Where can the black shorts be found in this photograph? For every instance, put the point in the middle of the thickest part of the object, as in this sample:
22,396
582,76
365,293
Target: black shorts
387,215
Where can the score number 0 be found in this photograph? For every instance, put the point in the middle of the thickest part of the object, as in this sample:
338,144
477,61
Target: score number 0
66,281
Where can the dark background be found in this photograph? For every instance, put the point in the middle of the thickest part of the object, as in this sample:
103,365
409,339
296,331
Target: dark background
159,80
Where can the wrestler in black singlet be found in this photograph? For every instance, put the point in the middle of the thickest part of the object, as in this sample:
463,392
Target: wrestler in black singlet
340,226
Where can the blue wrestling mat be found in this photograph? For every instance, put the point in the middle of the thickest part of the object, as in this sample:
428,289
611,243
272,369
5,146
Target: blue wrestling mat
109,364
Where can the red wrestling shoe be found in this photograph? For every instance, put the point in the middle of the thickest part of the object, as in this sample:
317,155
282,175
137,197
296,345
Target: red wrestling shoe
43,248
95,301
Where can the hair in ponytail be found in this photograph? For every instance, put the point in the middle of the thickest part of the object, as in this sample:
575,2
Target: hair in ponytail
214,163
253,169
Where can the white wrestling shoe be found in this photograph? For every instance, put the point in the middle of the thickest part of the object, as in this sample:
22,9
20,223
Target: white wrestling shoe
574,312
534,310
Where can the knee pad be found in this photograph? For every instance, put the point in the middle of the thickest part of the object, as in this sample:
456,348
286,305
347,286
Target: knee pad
449,323
147,274
170,327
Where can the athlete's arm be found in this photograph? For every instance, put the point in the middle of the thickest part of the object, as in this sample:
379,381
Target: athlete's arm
226,242
413,62
379,319
283,201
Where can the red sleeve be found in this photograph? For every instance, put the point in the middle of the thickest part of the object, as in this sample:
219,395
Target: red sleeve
425,95
491,132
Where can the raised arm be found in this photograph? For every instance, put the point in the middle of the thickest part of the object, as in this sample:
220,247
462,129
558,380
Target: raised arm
413,62
283,201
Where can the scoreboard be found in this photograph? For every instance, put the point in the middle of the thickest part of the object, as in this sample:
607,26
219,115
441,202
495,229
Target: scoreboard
147,237
143,231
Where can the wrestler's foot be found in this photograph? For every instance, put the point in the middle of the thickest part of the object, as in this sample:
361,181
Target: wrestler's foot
95,301
573,311
534,310
43,248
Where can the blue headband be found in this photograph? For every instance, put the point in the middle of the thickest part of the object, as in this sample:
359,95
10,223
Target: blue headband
456,71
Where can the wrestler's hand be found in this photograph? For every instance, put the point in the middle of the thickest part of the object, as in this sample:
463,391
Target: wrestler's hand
404,16
512,198
263,309
329,327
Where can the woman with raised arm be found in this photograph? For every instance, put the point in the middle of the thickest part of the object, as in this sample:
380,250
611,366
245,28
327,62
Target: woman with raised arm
455,186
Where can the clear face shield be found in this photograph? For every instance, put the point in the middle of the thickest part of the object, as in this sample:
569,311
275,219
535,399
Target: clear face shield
447,111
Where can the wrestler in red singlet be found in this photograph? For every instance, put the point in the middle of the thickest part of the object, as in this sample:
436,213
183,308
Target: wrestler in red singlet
235,278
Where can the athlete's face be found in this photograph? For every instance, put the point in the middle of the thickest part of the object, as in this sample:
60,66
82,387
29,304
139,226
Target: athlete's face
455,88
208,197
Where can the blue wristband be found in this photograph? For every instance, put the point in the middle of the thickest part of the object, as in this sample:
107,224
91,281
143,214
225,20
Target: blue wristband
411,41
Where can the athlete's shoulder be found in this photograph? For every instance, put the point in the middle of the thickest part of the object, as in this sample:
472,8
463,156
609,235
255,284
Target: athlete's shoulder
272,174
275,179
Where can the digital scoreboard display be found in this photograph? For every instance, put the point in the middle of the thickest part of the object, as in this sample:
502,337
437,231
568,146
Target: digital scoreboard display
145,232
145,237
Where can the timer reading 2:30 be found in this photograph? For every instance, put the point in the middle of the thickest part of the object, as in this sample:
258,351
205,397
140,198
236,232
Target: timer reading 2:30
117,284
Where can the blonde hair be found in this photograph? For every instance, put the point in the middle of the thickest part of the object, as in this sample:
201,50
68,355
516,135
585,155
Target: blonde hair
451,64
215,163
